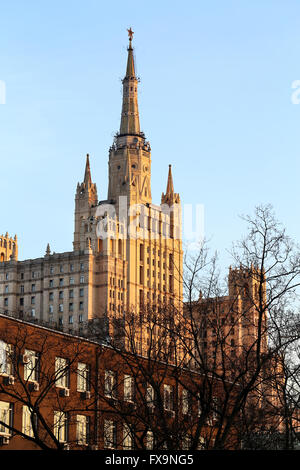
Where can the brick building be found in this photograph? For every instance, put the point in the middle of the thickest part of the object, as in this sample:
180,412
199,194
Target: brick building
64,392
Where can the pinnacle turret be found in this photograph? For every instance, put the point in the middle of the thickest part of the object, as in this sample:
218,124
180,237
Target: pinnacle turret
170,197
87,173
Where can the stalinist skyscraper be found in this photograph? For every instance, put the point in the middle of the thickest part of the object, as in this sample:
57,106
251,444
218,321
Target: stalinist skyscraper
127,251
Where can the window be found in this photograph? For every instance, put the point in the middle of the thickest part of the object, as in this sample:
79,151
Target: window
186,442
82,377
128,387
51,283
51,270
81,266
61,269
50,308
127,437
81,292
61,307
110,434
32,300
71,267
32,287
61,294
6,289
110,383
82,429
71,319
168,397
33,312
31,362
61,372
21,289
61,281
80,305
60,426
26,421
5,418
185,402
80,318
6,302
21,301
71,280
81,279
51,296
149,440
71,307
150,396
5,358
71,294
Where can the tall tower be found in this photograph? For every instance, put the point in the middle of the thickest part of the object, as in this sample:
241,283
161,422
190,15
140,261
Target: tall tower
153,240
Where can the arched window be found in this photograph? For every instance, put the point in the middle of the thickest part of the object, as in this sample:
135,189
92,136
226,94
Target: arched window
120,248
2,258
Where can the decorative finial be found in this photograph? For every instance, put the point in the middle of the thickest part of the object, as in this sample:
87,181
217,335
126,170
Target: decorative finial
130,34
48,251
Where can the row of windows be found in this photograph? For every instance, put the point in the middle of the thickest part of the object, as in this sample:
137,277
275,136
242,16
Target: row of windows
60,424
31,361
71,294
3,243
116,282
36,274
62,281
111,390
70,319
51,284
70,307
61,269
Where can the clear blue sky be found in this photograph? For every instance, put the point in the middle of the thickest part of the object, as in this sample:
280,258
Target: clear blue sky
215,102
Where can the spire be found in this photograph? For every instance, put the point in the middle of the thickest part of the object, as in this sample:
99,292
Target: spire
170,187
130,73
87,174
48,251
170,197
130,122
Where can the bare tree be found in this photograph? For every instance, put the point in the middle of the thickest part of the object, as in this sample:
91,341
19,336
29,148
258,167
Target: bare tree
227,346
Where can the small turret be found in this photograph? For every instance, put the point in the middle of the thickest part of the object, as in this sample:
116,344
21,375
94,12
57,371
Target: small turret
86,198
170,197
8,248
